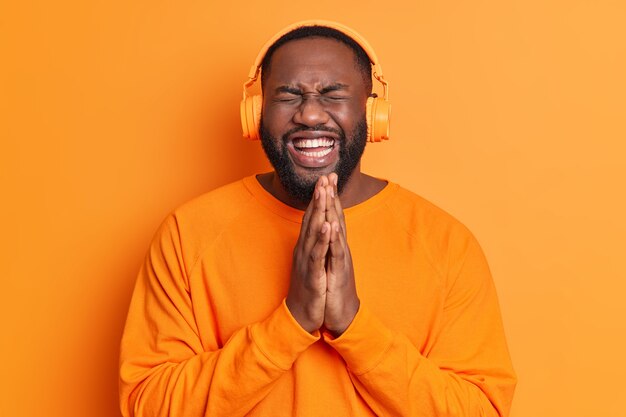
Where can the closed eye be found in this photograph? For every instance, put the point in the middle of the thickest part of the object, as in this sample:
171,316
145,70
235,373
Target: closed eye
286,94
287,97
292,95
335,97
335,92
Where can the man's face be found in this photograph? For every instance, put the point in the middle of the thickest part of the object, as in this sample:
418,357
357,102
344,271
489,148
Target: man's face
313,118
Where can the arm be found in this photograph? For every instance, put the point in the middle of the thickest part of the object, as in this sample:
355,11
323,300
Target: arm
468,371
164,367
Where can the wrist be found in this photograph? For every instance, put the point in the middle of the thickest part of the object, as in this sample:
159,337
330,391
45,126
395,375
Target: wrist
350,311
300,315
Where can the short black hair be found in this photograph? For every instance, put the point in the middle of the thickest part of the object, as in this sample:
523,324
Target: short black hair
362,60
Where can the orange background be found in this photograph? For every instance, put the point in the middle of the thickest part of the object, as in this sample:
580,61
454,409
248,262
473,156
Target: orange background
510,115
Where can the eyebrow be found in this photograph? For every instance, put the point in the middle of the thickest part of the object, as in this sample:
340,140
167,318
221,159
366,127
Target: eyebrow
334,87
288,89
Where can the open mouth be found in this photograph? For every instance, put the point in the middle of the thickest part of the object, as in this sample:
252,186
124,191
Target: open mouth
316,148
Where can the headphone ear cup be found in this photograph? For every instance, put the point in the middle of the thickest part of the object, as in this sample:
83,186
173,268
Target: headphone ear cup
250,113
368,117
378,112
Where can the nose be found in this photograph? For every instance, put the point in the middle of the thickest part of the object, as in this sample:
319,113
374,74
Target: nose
311,111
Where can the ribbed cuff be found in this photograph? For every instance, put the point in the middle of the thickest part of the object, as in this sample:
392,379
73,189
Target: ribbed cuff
364,343
281,338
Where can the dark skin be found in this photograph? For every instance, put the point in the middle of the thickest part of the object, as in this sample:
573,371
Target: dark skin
313,82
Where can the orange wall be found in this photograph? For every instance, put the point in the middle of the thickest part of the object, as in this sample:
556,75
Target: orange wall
510,115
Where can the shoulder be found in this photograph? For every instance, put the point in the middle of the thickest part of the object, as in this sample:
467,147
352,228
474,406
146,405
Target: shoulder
215,207
439,233
419,214
197,223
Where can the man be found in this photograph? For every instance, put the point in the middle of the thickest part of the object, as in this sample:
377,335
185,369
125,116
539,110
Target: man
370,302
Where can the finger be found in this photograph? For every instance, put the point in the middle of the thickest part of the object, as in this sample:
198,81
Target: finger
333,178
309,211
341,218
337,249
317,255
307,215
306,219
319,200
318,217
321,182
312,231
331,211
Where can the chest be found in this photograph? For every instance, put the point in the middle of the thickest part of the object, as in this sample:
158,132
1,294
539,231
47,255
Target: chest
245,275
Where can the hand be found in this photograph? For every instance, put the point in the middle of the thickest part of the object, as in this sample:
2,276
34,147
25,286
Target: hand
307,290
342,302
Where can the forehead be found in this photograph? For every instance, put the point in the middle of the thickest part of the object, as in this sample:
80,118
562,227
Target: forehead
324,59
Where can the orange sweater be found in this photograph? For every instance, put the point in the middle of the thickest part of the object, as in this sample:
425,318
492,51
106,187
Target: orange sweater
208,332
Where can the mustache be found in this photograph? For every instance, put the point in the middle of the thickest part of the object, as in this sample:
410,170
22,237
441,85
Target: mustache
317,128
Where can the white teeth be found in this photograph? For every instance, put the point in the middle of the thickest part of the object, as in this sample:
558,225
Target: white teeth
302,144
317,154
313,143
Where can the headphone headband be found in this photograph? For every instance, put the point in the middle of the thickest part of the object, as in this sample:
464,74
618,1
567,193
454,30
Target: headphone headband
377,70
377,110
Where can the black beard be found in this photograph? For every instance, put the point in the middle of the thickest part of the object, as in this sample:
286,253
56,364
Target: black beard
301,189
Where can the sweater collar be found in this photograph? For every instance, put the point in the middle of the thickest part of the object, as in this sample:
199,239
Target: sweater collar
292,214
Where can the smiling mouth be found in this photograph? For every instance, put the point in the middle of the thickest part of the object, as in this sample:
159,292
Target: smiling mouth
316,148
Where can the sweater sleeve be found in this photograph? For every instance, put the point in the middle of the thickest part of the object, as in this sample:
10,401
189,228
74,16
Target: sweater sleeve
467,372
164,368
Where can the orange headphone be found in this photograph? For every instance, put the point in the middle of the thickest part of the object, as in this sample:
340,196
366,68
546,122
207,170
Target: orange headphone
377,109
